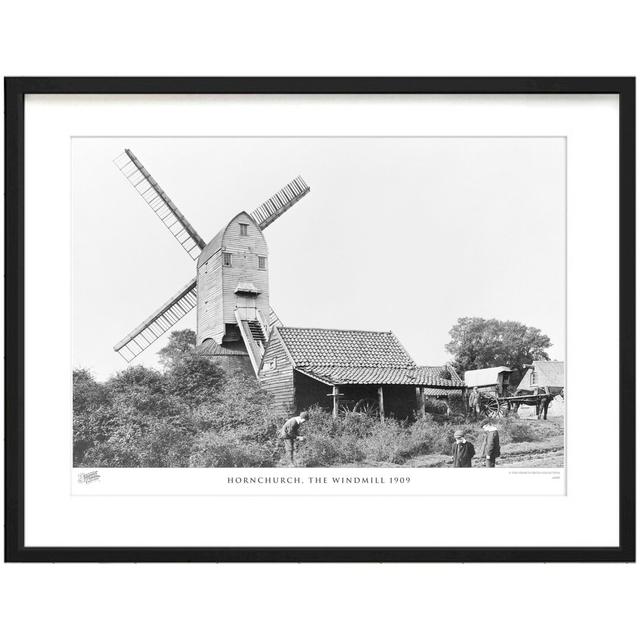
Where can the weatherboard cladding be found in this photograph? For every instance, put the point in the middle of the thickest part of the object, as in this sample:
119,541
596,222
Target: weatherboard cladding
277,376
212,348
336,357
217,284
549,374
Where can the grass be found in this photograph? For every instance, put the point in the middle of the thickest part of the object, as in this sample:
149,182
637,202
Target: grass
361,440
142,419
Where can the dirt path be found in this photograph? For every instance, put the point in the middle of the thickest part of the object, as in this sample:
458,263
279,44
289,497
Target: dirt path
544,453
547,453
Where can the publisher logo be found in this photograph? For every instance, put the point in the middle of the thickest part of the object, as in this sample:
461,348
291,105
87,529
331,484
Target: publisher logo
88,476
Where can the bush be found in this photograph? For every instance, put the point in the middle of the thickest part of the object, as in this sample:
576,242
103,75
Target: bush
357,424
321,450
215,450
194,414
435,406
438,435
519,432
110,454
354,438
383,444
395,442
166,445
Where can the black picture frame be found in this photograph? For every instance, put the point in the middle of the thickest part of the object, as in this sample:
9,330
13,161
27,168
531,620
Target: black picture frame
15,91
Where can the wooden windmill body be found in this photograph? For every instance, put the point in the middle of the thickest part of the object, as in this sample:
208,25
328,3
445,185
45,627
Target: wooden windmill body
233,294
231,287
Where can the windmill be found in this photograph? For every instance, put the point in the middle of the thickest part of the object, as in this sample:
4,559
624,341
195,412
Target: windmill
231,287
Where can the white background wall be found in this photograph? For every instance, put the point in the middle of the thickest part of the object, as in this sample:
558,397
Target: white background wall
329,38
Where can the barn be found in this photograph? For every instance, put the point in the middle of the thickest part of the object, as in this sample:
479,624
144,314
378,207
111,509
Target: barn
443,372
303,367
543,374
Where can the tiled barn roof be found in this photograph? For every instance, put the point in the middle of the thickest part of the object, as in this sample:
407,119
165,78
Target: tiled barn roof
344,348
375,375
336,356
444,371
434,392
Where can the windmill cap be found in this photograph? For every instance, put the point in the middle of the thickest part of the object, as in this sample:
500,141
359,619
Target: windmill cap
459,433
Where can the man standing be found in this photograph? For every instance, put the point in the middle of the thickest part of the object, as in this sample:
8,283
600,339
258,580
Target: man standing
474,403
543,404
290,433
490,448
462,451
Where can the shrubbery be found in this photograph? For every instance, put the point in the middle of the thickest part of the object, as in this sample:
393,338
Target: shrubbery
193,414
222,450
354,438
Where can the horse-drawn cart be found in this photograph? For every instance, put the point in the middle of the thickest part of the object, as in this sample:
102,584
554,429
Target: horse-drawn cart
494,406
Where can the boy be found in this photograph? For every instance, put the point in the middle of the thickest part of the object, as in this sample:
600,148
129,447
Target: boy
462,451
490,449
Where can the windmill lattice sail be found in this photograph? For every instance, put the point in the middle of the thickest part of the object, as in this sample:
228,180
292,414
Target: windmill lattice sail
160,203
277,204
186,299
158,323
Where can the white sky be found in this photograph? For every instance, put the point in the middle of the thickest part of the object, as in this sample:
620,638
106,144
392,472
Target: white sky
401,234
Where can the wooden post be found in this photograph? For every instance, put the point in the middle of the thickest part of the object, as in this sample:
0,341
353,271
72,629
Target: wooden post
336,399
381,403
421,407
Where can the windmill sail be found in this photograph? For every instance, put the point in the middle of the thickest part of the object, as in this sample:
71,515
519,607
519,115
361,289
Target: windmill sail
160,203
158,323
277,204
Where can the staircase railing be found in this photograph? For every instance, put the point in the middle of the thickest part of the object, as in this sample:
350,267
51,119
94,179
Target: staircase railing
264,324
254,350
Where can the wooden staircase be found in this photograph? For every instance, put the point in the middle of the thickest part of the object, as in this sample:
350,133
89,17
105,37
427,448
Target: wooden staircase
254,339
255,329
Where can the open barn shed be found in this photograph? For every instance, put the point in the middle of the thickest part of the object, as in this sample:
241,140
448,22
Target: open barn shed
331,368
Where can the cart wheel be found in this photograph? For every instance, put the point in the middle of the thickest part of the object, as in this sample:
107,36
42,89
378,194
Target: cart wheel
493,408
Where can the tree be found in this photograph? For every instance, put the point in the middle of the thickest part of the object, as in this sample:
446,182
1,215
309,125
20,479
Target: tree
139,390
181,343
190,413
194,379
91,402
477,343
88,394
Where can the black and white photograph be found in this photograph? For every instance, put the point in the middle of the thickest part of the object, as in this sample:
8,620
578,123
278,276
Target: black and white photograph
269,320
320,320
350,302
